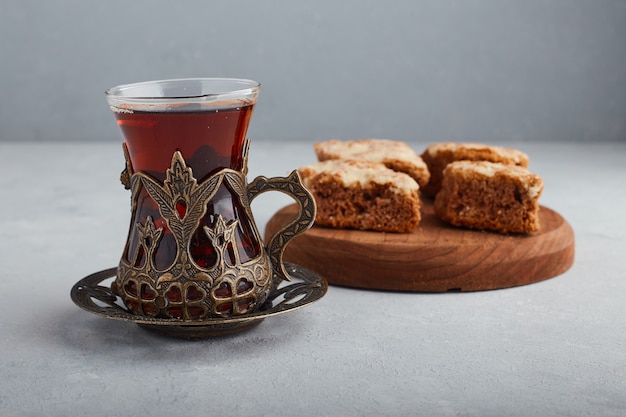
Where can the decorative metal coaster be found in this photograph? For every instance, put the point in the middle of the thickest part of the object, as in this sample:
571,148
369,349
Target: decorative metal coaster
304,288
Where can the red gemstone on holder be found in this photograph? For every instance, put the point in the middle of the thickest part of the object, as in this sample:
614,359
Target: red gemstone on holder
195,312
175,312
223,291
173,294
181,208
194,294
149,309
224,308
131,288
244,304
147,293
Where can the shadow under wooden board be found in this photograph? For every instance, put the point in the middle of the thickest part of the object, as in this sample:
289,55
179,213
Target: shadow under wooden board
435,257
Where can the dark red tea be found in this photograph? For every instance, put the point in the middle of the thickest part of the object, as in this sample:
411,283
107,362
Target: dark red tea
209,141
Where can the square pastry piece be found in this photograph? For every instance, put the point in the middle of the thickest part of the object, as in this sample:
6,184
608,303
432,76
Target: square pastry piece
395,155
362,195
438,155
491,196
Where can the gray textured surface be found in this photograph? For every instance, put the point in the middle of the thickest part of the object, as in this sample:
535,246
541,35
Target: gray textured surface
424,70
554,348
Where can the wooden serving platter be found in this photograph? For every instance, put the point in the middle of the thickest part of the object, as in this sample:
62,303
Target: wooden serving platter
435,257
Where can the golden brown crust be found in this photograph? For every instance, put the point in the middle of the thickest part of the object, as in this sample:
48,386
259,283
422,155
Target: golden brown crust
395,155
363,195
491,196
438,155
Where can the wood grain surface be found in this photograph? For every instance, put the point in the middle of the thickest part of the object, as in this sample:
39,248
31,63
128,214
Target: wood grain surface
435,257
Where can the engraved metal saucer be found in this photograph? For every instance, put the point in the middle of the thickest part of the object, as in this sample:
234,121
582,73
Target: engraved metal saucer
304,288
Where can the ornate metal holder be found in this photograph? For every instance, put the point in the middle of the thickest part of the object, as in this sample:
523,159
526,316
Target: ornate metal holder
196,297
219,282
92,294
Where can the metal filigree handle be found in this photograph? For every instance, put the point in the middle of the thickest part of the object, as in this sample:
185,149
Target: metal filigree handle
292,186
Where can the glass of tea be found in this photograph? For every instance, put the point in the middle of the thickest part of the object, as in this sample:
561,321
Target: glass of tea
193,250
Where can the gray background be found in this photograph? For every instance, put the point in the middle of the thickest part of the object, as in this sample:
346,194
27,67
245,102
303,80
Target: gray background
490,70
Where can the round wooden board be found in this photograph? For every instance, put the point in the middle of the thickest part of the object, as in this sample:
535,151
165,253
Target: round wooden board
435,257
